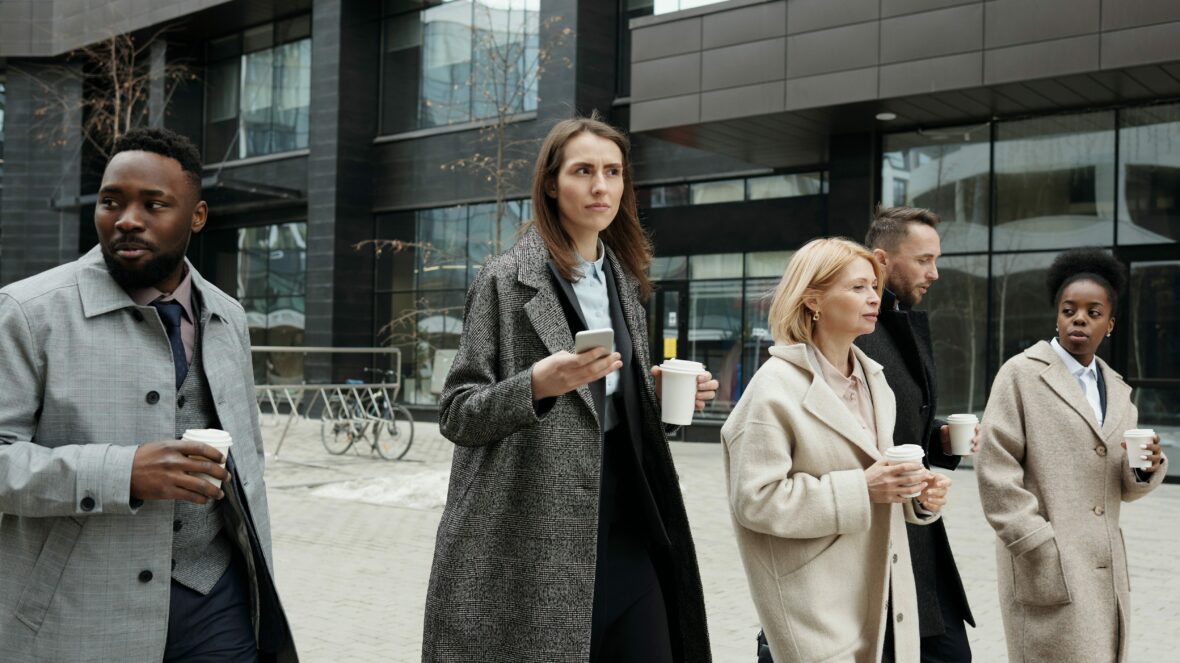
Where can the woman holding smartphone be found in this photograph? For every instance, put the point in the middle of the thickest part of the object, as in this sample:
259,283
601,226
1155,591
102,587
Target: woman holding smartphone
565,536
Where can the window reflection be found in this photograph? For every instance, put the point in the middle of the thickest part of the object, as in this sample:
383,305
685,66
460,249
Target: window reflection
946,170
452,62
957,310
258,94
715,334
1055,182
1149,175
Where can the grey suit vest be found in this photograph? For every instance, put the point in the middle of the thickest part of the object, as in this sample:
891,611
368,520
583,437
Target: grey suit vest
200,551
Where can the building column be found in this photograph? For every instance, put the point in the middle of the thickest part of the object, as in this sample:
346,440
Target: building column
344,87
852,184
41,162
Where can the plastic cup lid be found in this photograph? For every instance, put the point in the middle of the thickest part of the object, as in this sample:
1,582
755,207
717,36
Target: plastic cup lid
904,452
682,365
210,436
958,418
1140,432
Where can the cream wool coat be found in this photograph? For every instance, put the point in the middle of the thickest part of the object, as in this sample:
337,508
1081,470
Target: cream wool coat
1051,481
819,556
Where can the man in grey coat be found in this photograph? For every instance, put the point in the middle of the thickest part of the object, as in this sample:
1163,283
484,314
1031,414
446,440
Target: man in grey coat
112,549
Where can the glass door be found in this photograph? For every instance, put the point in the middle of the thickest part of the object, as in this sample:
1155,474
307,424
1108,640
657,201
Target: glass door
1147,353
668,323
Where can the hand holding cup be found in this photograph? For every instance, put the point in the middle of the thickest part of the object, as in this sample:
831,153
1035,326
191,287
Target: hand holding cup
892,482
1143,450
933,498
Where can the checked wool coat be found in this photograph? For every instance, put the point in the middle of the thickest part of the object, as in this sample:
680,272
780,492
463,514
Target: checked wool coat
87,376
514,561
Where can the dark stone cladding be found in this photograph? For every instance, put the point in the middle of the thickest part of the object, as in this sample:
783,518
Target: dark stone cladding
41,165
343,122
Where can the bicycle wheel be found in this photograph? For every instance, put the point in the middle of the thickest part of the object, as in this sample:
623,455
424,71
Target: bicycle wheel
399,433
337,429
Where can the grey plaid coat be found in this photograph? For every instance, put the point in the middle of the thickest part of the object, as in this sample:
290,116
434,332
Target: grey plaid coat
88,376
514,560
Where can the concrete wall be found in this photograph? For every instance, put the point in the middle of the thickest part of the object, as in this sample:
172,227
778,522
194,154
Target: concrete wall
754,57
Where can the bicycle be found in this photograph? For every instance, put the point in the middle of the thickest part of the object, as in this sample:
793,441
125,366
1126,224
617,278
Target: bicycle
367,411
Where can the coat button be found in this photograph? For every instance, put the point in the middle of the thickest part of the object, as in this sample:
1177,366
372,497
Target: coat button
87,503
176,525
145,576
900,617
1098,510
152,397
180,401
1100,450
895,558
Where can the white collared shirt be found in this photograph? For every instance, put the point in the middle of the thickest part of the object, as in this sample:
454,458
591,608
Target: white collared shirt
594,299
1087,377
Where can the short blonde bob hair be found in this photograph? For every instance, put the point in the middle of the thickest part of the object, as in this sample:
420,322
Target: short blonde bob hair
811,272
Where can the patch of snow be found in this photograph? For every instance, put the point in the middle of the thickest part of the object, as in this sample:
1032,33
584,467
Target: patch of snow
421,489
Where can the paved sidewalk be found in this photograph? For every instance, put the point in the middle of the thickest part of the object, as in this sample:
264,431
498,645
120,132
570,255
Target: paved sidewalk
354,536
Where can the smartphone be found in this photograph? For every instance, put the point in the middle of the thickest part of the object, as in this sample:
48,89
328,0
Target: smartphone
594,338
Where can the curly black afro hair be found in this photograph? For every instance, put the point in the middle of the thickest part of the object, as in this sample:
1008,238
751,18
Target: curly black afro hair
165,143
1087,264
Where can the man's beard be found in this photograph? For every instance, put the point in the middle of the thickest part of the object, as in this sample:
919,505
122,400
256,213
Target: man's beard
906,293
157,268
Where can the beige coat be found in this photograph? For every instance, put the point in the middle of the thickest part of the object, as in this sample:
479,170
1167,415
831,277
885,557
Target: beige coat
818,555
1051,482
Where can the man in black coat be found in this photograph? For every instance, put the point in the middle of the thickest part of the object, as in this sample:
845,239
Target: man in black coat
905,242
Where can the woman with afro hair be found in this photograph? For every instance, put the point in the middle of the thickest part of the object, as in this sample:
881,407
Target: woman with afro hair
1053,470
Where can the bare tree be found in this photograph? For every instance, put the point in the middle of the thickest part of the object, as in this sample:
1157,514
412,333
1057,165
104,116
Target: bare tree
117,79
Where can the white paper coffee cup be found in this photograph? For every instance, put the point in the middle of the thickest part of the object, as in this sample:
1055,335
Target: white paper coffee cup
218,439
678,389
962,428
906,453
1138,457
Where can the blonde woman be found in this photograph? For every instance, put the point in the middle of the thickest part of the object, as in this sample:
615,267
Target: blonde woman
820,516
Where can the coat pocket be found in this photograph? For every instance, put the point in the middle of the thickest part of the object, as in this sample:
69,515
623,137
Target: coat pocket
1039,578
47,571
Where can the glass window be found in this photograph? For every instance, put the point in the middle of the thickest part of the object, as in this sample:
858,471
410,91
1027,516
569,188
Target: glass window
947,171
1151,317
1149,175
756,337
258,102
715,266
1,132
722,191
1055,182
786,186
669,6
770,264
672,195
455,62
442,248
265,267
489,235
957,309
668,268
421,324
715,334
1021,313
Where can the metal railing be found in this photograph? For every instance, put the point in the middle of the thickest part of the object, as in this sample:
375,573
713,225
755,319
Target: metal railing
350,412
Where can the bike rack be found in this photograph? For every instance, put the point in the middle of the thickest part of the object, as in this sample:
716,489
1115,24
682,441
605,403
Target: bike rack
295,396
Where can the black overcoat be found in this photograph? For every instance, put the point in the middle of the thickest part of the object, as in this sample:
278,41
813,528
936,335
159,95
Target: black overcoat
901,343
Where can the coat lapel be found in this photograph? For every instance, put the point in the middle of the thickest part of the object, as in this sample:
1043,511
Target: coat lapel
1118,397
544,310
823,404
1060,381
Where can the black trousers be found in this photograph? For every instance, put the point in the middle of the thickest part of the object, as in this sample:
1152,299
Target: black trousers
630,617
951,645
216,628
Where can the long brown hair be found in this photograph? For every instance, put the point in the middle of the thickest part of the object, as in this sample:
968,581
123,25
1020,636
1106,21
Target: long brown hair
624,235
